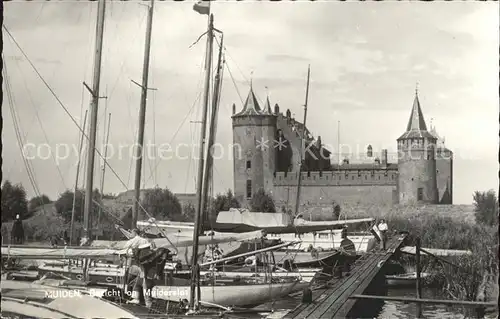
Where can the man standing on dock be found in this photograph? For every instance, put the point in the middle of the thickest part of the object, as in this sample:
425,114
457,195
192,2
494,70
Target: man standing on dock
382,227
17,232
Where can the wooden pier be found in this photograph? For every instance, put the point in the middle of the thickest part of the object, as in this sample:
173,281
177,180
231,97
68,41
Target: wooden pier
335,301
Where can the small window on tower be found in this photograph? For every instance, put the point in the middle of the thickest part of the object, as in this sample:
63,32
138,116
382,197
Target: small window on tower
249,164
420,194
249,189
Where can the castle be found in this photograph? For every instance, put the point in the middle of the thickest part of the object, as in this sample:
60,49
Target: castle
267,154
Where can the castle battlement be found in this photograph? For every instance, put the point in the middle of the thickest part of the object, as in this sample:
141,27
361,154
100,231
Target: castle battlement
346,177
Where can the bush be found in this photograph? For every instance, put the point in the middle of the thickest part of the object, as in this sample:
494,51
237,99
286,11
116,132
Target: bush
486,207
262,202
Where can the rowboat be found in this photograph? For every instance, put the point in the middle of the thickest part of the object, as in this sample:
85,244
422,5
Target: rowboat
404,280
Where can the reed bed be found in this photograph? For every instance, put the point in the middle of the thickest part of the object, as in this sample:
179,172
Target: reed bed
474,277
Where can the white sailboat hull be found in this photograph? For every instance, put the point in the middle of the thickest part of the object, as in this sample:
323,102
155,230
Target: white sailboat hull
305,274
325,240
230,295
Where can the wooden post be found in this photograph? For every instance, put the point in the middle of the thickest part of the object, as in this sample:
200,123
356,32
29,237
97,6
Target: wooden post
419,287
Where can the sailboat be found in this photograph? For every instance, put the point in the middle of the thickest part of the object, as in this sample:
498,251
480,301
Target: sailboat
217,291
241,293
28,300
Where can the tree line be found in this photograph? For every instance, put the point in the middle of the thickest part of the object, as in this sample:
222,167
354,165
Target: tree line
160,203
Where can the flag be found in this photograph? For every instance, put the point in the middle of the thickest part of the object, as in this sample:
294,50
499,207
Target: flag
202,7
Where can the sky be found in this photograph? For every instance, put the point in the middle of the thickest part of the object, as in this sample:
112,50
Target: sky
366,60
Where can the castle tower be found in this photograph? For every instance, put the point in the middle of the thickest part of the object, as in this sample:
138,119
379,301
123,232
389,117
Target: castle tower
417,181
254,155
444,169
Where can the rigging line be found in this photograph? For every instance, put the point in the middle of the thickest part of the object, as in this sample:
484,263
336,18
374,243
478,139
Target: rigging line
17,131
134,38
230,57
180,126
132,129
95,150
10,97
234,83
155,150
30,97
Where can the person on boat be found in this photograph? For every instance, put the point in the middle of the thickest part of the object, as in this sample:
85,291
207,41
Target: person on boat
152,265
382,227
17,231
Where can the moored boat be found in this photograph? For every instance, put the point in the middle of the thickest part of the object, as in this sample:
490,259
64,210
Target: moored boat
28,300
404,280
231,291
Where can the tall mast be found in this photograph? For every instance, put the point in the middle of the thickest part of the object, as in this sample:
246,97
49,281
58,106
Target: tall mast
199,197
302,152
211,135
94,106
142,117
76,180
106,141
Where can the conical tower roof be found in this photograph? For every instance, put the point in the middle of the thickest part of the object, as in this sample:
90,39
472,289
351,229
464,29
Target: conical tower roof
267,108
416,127
251,106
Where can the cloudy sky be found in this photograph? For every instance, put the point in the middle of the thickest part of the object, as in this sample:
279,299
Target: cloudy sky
365,57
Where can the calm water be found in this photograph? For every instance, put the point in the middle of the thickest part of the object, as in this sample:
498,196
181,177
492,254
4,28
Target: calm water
380,309
391,309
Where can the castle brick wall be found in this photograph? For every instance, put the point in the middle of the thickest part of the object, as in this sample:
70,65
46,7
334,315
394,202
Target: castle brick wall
444,173
324,195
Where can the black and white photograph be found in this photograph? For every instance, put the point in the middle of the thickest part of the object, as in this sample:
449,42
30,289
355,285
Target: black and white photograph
250,159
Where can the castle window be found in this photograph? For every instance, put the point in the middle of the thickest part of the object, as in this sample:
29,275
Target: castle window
379,177
249,189
366,177
420,193
392,177
249,164
352,177
340,177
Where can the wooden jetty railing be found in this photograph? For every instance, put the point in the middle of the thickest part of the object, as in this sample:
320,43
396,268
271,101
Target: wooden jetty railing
335,301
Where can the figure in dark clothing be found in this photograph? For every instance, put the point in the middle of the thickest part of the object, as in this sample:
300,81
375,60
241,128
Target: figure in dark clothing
17,231
66,238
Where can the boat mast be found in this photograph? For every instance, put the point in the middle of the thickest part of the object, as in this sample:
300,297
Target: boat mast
142,117
76,180
199,197
211,135
302,152
94,106
104,168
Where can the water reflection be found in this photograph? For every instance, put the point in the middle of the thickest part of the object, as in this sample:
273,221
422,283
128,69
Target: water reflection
391,309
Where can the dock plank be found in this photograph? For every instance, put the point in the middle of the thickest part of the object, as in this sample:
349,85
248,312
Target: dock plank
334,301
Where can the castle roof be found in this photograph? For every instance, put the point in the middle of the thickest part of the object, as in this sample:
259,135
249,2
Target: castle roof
267,108
416,127
251,106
